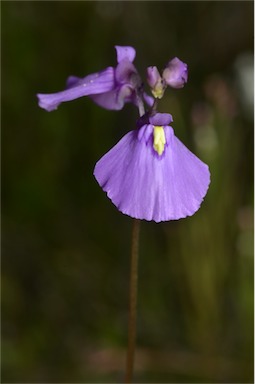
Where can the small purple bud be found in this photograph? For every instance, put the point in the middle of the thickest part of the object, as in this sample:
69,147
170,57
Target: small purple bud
176,73
155,82
153,76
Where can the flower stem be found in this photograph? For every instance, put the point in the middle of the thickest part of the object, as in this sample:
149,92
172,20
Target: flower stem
132,302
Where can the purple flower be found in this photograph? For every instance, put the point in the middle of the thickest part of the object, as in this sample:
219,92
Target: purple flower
110,88
149,174
176,73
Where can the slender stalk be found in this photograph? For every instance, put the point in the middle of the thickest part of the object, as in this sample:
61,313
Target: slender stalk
132,302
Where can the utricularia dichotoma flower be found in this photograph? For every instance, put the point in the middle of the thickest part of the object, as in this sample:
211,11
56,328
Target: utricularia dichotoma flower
110,88
149,174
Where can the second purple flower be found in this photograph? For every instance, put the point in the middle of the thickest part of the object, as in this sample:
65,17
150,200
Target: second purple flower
110,88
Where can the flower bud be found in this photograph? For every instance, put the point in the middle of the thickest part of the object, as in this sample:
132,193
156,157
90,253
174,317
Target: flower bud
176,73
155,82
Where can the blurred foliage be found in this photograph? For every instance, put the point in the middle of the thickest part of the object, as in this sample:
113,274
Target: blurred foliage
65,247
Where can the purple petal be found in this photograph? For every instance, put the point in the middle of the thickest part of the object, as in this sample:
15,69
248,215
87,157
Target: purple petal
115,99
153,76
176,73
125,53
149,100
127,81
155,82
145,133
153,118
92,84
151,187
126,73
161,119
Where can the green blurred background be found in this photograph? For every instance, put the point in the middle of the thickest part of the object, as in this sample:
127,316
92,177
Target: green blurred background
65,247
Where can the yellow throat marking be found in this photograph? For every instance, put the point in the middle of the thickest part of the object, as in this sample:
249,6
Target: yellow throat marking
159,139
158,92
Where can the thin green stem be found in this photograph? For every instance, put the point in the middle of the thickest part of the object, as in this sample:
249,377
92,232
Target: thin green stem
132,302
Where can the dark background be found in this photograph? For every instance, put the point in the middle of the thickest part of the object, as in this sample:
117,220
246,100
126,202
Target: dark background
65,247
